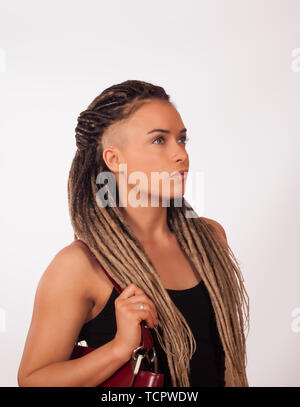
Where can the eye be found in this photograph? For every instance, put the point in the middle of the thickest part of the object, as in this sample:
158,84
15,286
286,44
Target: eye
186,139
157,139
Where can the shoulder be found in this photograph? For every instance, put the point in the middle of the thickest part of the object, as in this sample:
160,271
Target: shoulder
216,227
71,267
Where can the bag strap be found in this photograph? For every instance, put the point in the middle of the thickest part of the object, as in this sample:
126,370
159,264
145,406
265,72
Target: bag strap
146,340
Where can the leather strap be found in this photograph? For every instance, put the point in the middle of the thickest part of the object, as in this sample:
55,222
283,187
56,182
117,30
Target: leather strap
146,340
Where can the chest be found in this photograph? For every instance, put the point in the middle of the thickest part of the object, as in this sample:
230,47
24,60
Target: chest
176,271
171,263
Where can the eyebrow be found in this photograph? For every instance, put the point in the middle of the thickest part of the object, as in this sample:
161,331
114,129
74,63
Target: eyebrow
165,131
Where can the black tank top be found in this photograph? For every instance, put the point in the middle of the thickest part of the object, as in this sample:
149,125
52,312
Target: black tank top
208,362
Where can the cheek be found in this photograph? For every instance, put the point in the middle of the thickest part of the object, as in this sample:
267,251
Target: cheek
139,161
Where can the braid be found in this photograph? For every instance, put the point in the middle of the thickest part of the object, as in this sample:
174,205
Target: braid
113,242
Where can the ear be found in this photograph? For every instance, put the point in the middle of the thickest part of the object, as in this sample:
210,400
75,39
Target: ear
111,157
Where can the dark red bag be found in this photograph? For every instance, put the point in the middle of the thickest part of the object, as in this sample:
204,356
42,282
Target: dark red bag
135,372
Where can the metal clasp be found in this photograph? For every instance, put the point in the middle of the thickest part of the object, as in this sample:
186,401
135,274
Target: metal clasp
138,359
153,358
140,356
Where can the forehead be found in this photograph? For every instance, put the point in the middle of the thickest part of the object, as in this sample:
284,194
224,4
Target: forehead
155,114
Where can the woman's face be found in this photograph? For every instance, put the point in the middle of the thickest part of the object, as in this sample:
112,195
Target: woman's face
145,150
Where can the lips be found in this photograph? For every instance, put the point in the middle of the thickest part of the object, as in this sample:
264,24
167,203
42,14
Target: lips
181,174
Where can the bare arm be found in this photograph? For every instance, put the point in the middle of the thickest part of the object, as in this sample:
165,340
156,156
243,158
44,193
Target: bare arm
87,371
60,309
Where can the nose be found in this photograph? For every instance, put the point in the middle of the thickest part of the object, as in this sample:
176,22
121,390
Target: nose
179,153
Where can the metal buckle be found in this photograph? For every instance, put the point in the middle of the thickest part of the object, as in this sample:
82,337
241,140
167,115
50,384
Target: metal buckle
138,357
153,358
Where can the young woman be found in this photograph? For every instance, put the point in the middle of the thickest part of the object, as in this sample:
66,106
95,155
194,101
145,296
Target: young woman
179,267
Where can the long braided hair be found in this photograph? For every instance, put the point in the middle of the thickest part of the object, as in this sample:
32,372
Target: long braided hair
113,242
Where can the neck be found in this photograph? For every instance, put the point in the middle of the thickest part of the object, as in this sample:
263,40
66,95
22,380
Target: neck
148,223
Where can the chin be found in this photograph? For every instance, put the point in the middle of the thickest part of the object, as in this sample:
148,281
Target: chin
172,196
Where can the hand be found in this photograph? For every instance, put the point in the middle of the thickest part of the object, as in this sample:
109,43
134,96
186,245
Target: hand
129,317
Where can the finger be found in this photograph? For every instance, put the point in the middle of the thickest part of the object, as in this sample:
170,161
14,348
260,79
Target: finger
129,291
145,314
143,299
148,306
134,294
133,291
142,314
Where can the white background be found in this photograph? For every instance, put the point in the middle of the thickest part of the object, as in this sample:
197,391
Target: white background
230,69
